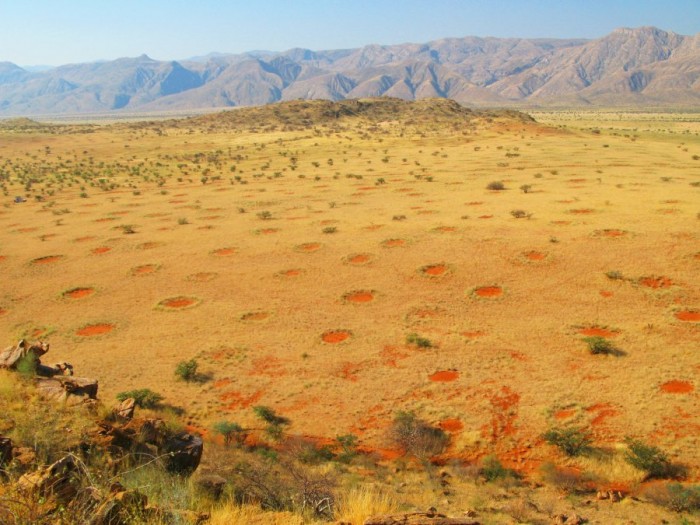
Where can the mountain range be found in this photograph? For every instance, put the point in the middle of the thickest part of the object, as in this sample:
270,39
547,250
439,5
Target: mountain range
629,67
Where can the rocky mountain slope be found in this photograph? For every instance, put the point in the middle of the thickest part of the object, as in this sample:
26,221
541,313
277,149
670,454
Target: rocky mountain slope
642,66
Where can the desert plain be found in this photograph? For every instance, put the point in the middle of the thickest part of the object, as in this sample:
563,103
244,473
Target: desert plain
343,265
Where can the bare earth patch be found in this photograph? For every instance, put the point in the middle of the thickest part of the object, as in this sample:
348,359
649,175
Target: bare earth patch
92,330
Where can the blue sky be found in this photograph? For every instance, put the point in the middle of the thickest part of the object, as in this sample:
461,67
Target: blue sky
67,31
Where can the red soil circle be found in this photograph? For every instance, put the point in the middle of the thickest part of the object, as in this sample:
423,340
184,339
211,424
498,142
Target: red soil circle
446,229
393,243
451,425
613,233
534,255
360,258
144,269
606,293
688,315
3,311
359,296
84,239
176,303
488,291
49,259
581,211
485,217
95,329
149,245
202,277
596,331
2,257
656,282
335,336
444,376
308,247
474,334
434,270
677,387
255,316
222,252
268,231
100,249
78,293
564,414
293,272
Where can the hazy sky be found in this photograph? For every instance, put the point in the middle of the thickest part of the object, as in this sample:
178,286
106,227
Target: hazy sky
66,31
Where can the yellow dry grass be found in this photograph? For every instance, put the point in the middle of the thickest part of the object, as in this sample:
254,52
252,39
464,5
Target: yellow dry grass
265,287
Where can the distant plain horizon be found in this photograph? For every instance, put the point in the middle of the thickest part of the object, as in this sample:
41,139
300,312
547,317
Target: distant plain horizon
48,33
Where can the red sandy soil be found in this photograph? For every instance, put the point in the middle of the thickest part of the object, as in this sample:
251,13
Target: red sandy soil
596,331
48,259
677,387
576,181
581,211
606,293
451,425
446,229
144,270
602,412
697,256
255,316
561,223
335,336
84,239
224,251
485,217
434,270
474,334
488,291
177,302
37,332
79,293
221,383
656,282
308,247
564,414
106,219
202,277
393,243
3,311
535,256
27,230
360,258
268,231
688,315
475,203
294,272
238,400
373,227
444,376
2,257
100,249
95,329
359,296
149,245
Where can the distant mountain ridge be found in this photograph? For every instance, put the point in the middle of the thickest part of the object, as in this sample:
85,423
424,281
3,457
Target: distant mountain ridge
632,67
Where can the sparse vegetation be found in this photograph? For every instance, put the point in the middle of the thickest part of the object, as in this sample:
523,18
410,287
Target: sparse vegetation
143,397
572,441
187,370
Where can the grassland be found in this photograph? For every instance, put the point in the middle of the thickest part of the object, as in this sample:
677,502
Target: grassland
297,258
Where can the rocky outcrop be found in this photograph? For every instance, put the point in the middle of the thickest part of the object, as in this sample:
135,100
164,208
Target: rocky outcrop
5,451
23,353
69,390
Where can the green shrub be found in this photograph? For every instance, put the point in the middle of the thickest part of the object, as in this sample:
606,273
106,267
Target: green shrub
144,397
614,275
600,345
675,496
230,431
572,441
492,469
420,342
495,186
275,423
187,370
649,459
417,437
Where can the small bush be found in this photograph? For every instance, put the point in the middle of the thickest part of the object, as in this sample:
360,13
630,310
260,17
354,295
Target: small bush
144,397
419,341
230,431
187,370
265,215
520,214
492,469
600,345
675,496
525,188
495,186
649,459
572,441
329,229
182,221
614,275
417,437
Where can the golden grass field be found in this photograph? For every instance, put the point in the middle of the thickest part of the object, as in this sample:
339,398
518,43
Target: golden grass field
295,280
